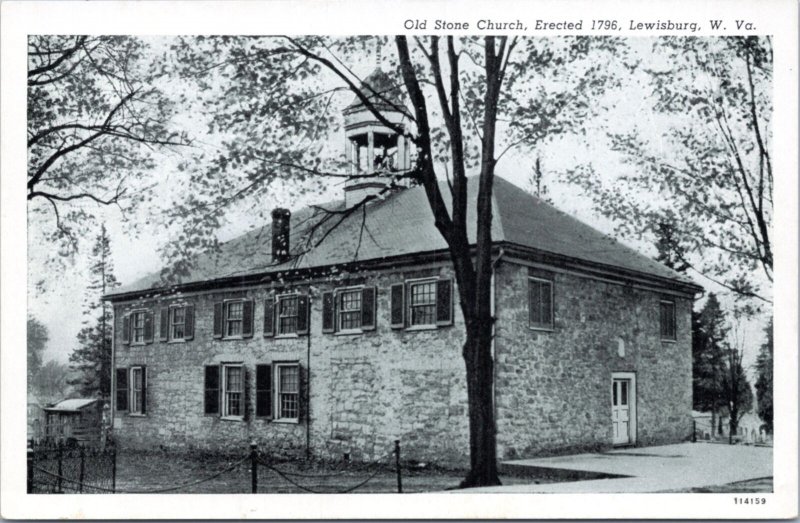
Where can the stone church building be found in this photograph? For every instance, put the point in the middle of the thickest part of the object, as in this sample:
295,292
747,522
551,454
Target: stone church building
338,349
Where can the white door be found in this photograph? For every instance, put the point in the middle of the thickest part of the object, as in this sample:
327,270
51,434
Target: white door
621,410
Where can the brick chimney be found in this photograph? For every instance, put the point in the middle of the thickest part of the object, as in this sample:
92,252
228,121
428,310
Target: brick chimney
280,234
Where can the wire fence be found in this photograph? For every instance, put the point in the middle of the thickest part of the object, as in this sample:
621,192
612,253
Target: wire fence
87,470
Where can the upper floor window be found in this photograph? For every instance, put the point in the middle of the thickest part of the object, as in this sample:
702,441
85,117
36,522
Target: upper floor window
177,323
540,303
668,325
422,305
350,309
287,314
137,326
233,319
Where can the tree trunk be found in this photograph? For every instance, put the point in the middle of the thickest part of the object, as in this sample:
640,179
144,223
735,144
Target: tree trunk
482,438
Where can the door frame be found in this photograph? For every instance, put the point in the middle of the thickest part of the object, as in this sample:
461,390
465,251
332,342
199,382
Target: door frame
633,398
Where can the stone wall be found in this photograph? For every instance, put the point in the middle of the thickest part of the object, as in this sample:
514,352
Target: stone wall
365,390
553,388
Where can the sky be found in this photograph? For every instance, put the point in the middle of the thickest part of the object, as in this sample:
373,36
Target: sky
136,254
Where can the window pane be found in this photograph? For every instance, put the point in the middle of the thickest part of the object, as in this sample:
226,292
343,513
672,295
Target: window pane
423,303
233,391
289,378
235,310
623,393
234,378
287,315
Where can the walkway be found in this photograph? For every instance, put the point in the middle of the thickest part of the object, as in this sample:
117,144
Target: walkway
651,469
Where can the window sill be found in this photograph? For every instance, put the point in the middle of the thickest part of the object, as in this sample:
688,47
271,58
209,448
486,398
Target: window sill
287,336
136,415
541,329
415,328
177,341
668,340
231,418
137,344
349,332
290,421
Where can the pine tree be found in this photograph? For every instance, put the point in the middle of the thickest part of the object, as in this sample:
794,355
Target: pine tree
92,358
709,333
764,367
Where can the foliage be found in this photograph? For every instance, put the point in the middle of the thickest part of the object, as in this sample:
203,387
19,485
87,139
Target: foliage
51,382
92,358
764,382
95,116
705,151
37,342
709,339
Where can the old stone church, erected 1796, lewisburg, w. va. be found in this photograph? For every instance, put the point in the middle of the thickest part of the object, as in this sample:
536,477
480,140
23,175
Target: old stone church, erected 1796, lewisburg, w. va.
341,348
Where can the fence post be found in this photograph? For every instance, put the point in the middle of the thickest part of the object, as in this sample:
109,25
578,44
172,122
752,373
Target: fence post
81,470
397,466
113,467
30,469
254,467
694,431
60,467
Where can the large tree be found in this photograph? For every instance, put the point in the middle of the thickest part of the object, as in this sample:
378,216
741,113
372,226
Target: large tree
468,102
95,115
705,149
92,358
764,372
736,388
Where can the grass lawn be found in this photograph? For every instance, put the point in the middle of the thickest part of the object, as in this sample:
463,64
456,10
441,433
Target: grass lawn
148,471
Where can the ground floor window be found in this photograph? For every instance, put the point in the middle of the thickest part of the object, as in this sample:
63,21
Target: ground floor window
288,391
233,391
137,390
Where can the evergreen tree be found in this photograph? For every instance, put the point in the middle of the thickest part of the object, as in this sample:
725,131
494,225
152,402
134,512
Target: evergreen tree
708,357
764,367
37,340
92,358
736,388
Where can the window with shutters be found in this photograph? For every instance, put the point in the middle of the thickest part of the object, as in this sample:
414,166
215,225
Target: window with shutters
137,326
349,310
668,325
287,314
540,304
211,386
136,405
177,320
264,391
233,391
422,303
287,392
234,316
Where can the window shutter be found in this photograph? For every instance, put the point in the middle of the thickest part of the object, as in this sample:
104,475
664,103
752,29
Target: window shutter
148,326
444,302
368,306
398,305
211,386
264,390
269,316
246,393
247,319
218,319
533,303
122,389
301,393
164,324
302,314
328,312
144,389
188,330
126,328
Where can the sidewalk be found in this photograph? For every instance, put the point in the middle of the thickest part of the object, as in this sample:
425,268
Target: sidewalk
651,469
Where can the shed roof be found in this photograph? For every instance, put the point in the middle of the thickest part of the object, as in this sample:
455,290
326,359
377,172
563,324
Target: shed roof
72,405
402,224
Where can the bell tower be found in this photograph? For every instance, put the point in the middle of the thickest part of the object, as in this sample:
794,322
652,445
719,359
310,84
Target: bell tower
373,148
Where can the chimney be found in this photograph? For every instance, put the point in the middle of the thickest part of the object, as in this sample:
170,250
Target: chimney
280,234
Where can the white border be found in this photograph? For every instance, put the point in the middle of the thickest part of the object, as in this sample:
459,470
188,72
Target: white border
776,17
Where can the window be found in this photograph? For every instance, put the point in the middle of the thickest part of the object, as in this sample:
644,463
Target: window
233,391
422,305
137,326
540,303
264,391
288,391
137,390
177,330
668,327
233,318
287,315
350,310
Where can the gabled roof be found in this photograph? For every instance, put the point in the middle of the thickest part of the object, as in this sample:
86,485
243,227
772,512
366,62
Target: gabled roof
381,89
402,224
71,405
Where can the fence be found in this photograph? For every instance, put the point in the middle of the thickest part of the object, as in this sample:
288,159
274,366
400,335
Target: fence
57,468
60,469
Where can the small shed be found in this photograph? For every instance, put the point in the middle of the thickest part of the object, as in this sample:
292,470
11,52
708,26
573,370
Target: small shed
78,420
